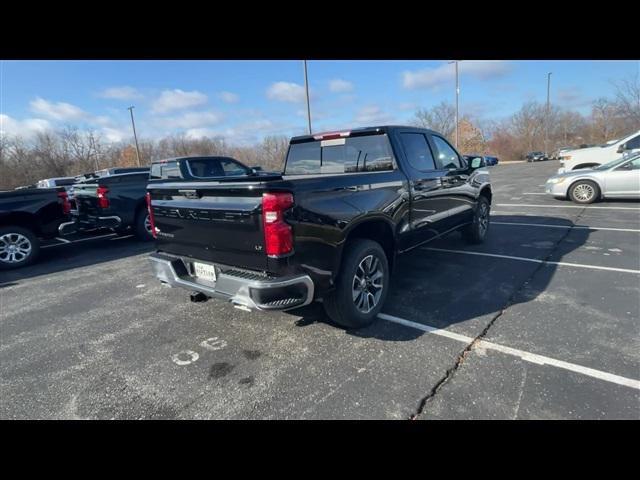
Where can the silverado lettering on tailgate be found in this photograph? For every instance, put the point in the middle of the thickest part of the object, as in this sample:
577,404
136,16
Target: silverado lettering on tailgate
200,214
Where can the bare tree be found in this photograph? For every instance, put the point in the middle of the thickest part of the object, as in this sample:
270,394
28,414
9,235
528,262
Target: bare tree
628,100
273,151
441,118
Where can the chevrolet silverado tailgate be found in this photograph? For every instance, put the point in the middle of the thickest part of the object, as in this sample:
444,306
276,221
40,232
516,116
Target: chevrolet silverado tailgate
218,222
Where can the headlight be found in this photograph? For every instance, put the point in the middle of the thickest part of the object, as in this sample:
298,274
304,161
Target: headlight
557,180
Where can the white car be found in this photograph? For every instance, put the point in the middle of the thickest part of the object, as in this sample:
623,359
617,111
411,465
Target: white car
594,156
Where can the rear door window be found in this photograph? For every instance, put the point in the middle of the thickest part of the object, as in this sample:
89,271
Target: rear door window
417,151
165,170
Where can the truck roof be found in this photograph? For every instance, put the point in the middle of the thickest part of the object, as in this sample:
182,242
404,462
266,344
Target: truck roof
192,157
359,131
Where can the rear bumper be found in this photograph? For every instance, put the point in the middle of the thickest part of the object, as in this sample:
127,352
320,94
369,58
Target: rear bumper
240,288
90,223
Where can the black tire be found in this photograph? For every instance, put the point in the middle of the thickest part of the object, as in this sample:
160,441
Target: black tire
17,237
340,305
141,231
477,230
584,192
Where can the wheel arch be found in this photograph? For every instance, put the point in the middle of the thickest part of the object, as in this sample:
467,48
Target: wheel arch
378,229
586,165
21,219
590,179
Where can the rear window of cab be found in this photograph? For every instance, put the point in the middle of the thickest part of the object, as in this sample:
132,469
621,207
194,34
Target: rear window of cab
368,153
199,168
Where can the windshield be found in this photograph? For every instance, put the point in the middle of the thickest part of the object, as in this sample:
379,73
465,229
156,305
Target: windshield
614,163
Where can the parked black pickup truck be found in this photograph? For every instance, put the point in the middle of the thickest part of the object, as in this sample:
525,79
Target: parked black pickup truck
111,201
28,215
328,228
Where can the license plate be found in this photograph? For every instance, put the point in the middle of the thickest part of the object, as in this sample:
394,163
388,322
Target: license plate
204,271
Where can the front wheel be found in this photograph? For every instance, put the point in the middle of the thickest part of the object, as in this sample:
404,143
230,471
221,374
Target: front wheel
361,286
477,230
584,192
18,247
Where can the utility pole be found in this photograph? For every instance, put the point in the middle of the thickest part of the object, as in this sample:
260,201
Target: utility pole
546,129
306,89
134,134
457,97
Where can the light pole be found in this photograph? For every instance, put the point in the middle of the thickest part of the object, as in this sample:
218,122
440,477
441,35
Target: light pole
133,124
546,128
95,157
457,96
306,89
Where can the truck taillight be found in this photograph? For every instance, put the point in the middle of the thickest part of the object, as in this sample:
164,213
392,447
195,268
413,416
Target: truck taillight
152,219
278,237
66,205
103,200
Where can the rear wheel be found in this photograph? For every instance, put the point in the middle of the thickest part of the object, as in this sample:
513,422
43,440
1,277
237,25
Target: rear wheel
361,286
584,192
477,230
18,247
143,225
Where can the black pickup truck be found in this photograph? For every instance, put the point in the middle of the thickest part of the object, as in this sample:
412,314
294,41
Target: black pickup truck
115,201
328,228
27,216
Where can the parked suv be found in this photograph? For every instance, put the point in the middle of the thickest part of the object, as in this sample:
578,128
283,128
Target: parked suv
328,228
599,155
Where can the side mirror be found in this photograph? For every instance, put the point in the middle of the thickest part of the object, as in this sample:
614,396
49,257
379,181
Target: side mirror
621,148
478,162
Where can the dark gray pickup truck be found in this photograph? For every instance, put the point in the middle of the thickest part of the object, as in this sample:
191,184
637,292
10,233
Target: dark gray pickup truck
328,228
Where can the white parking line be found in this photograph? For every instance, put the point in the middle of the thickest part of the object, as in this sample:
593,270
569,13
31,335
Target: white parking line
564,206
81,240
526,356
533,260
581,227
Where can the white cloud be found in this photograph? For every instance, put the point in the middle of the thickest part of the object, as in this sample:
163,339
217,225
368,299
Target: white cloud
371,115
445,73
115,134
228,97
177,99
121,93
23,128
202,132
340,86
58,111
190,120
286,92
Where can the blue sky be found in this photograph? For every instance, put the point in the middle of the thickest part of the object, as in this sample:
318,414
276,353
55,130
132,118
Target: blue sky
245,100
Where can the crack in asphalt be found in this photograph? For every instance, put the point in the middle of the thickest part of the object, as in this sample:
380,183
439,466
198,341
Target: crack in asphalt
450,372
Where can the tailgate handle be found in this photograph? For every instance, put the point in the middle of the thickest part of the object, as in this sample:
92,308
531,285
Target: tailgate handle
189,193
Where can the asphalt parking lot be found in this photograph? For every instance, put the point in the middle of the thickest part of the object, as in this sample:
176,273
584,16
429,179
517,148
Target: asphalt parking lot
540,322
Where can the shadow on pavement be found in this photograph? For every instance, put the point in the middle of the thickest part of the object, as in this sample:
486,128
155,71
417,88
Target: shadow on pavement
441,289
74,255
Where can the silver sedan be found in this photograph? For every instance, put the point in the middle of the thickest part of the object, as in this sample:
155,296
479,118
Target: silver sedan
617,179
